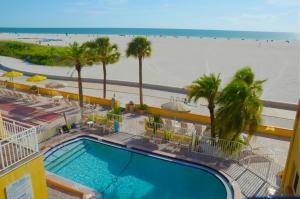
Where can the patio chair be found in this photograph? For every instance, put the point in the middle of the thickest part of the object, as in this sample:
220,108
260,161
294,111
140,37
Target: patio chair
168,124
34,98
184,127
74,103
68,103
198,129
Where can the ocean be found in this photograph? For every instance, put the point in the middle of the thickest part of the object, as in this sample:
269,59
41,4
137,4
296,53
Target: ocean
161,32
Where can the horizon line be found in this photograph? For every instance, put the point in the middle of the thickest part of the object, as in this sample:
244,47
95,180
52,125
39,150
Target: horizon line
232,30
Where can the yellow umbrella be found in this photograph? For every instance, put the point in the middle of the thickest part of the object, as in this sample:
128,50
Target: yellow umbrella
12,74
36,78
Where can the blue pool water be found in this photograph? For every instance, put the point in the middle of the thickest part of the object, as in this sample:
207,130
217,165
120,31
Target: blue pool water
119,173
159,31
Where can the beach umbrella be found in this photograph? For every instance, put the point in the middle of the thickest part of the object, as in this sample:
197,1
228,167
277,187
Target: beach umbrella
55,85
3,133
176,106
12,74
36,78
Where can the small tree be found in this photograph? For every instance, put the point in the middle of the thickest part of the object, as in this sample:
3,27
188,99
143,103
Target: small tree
239,106
139,48
80,56
206,87
106,53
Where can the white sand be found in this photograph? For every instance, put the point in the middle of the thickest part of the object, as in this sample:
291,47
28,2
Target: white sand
177,61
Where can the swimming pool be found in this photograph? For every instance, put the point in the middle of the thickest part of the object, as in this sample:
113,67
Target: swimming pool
118,172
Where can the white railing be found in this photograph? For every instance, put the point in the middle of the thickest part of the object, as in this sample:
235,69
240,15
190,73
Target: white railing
221,148
17,144
264,167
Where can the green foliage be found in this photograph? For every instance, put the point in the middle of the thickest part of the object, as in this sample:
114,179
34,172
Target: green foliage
106,52
142,107
116,110
168,135
34,88
80,55
36,54
139,47
115,114
154,121
239,106
206,87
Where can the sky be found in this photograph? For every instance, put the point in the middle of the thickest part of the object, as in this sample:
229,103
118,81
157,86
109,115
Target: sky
251,15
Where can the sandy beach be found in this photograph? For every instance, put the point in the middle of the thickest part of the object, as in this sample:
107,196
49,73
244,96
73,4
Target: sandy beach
177,61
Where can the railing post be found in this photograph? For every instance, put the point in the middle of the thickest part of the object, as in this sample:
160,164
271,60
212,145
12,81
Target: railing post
268,172
15,130
2,158
35,139
193,141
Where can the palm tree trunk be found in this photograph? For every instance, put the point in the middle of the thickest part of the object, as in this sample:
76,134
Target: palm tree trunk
80,89
104,80
141,79
212,120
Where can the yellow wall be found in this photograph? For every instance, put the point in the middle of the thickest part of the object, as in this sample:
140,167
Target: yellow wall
47,91
34,168
269,130
293,160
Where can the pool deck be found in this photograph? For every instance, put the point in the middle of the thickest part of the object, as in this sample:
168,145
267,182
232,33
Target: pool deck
245,182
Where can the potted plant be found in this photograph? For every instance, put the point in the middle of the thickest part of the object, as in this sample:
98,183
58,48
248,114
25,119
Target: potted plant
142,108
34,89
154,122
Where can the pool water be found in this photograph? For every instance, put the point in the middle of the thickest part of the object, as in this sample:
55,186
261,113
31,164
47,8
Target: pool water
119,173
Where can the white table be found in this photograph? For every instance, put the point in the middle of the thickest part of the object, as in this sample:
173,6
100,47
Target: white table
57,98
90,123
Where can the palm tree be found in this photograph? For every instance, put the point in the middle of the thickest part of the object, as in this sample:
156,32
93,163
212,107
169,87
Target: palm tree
239,106
80,56
107,54
139,48
206,87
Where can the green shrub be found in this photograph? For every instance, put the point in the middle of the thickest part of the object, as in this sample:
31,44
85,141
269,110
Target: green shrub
142,107
168,135
115,114
34,53
34,88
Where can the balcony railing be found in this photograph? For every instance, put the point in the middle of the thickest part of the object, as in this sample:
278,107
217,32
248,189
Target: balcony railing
18,141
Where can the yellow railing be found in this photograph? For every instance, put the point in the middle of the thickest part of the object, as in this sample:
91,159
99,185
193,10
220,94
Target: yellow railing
269,130
52,92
